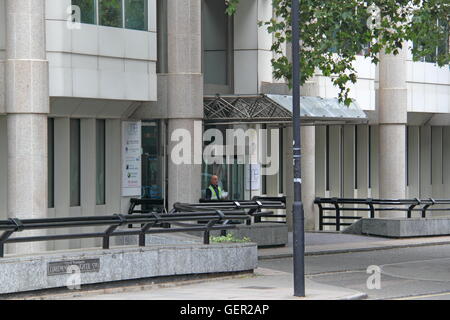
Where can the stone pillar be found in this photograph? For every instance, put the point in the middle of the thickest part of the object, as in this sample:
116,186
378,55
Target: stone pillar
308,175
184,95
27,106
392,126
308,135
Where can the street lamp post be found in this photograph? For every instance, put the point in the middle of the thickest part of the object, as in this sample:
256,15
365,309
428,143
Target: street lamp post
298,213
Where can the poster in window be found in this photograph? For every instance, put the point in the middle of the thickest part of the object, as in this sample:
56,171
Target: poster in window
131,158
253,177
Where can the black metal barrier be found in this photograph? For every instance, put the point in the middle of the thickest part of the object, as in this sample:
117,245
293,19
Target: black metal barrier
147,205
10,227
253,207
371,206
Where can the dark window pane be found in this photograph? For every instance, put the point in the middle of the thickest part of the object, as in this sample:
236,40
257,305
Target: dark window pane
216,43
152,161
281,163
136,14
87,10
75,150
111,13
161,64
100,159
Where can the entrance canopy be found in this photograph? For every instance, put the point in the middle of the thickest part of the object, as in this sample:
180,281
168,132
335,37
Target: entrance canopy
273,108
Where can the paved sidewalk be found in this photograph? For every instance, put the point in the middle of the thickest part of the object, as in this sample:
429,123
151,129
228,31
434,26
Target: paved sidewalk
333,242
266,284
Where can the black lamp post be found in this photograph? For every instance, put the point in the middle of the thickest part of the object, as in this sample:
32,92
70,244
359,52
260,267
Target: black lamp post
298,213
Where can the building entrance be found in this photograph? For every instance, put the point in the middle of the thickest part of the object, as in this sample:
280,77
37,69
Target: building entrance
152,161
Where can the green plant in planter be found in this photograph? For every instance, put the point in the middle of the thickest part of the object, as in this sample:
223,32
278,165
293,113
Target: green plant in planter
228,238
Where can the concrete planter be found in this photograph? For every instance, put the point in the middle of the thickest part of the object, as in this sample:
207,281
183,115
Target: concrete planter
20,274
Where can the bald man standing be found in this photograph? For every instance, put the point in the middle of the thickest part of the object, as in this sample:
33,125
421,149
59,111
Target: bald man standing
214,192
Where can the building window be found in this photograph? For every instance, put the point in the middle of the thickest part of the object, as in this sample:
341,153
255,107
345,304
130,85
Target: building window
100,162
218,47
439,50
111,13
136,14
75,162
51,162
88,10
131,14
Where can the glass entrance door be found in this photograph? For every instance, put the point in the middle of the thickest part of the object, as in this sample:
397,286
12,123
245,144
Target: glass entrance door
231,178
152,161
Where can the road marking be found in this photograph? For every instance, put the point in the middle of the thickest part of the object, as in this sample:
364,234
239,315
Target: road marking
425,296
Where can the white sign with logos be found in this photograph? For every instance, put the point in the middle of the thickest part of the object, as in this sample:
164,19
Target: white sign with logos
131,158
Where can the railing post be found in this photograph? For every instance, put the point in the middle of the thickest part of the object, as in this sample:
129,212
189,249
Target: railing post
111,229
147,227
425,207
258,218
18,228
338,214
206,235
411,207
320,216
371,207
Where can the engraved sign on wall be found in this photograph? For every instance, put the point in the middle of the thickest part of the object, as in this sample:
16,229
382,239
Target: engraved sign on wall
61,267
131,158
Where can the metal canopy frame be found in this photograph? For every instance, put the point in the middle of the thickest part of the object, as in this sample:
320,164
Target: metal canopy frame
276,109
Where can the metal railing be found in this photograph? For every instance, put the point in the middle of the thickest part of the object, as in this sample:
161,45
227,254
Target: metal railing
147,205
371,206
147,222
253,207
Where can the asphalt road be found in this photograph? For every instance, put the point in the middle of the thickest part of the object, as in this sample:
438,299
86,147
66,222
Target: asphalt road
421,273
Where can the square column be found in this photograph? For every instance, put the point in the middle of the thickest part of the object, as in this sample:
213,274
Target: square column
27,106
392,127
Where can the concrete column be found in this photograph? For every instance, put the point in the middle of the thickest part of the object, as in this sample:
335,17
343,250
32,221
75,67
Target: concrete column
27,106
252,43
392,126
184,179
308,176
184,95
